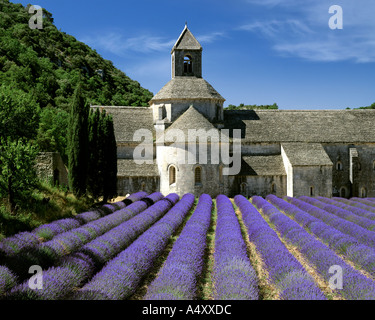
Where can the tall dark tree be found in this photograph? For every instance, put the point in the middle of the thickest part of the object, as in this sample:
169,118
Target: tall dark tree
110,151
94,179
78,143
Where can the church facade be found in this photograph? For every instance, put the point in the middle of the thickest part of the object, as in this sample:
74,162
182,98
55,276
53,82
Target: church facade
282,152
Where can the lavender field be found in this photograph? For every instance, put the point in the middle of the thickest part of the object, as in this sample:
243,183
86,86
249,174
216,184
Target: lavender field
156,247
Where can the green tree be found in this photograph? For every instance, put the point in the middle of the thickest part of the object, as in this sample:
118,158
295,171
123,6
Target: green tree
18,177
52,131
78,143
110,161
94,178
19,114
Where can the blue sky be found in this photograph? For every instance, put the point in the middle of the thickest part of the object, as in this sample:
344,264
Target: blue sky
254,51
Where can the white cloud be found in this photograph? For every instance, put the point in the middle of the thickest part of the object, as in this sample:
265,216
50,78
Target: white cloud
208,38
116,43
302,29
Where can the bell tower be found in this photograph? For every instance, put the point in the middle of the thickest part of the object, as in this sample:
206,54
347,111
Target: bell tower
187,56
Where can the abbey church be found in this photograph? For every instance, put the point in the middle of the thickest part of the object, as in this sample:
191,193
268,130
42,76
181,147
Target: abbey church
283,152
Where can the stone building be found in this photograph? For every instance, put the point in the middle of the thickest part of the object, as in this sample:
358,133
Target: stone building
283,152
50,167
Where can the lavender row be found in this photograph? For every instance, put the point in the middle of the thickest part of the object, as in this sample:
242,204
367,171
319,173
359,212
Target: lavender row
105,247
74,239
58,281
74,270
7,280
371,210
233,275
177,280
284,270
47,253
355,285
22,241
363,235
342,213
121,276
89,216
342,243
363,201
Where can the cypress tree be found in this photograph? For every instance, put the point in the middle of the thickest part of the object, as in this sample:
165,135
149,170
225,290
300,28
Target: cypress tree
94,186
78,143
110,147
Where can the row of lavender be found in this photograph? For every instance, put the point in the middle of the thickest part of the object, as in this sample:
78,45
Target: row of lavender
18,253
127,251
319,255
75,269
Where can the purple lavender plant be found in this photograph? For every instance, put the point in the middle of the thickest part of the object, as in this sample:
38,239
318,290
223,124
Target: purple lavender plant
355,285
177,280
7,280
364,236
72,271
363,201
344,244
340,212
120,277
353,204
233,275
105,247
281,265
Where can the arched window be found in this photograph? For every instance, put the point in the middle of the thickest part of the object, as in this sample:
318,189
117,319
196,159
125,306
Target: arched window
143,186
198,175
273,187
373,165
343,192
172,175
188,64
311,191
363,192
339,166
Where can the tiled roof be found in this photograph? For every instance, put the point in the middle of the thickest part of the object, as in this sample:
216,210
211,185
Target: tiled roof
127,120
262,166
187,88
323,126
306,154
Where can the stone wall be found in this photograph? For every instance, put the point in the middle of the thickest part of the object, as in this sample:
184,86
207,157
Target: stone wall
257,185
312,181
130,185
363,173
50,167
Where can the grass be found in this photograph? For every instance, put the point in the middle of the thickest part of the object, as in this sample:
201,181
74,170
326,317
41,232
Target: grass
46,204
205,286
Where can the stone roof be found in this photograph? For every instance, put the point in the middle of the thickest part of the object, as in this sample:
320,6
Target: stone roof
187,88
191,119
262,166
323,126
306,154
186,41
127,120
128,168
